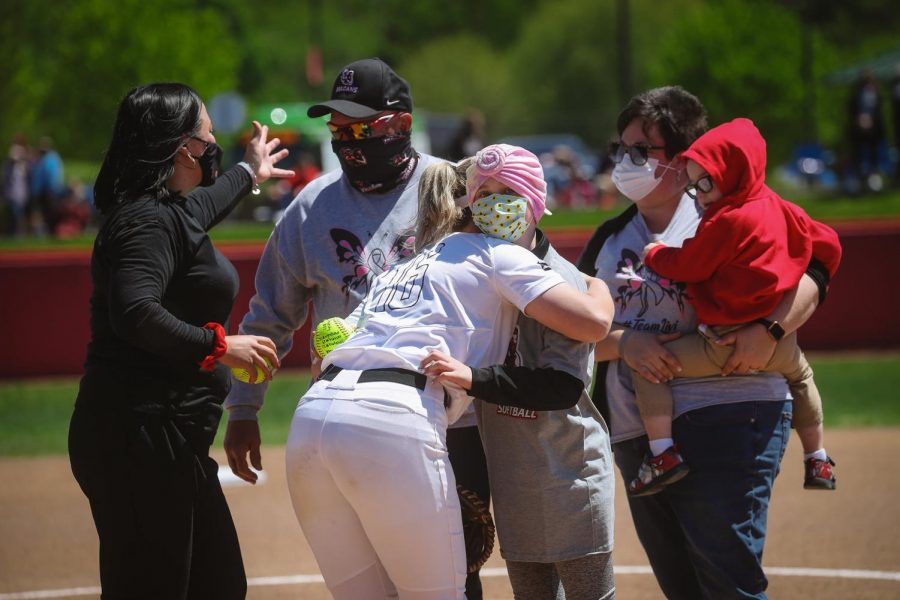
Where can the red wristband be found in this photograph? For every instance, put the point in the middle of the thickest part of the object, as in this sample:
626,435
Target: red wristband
219,347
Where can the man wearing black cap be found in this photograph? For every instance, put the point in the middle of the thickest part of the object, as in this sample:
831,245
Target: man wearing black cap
341,230
371,120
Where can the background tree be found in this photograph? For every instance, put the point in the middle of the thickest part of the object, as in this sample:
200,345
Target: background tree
529,65
77,59
458,72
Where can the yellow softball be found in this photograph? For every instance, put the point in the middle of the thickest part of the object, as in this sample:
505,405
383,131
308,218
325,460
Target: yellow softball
244,374
329,334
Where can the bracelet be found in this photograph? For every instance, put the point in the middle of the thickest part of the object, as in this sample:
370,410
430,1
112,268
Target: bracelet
255,189
219,347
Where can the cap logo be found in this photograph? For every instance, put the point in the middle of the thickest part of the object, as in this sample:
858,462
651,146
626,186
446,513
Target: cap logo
345,81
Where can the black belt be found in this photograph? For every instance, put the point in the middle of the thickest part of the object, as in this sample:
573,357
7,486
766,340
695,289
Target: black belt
391,375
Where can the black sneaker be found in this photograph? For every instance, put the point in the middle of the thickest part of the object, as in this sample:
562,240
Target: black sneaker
819,474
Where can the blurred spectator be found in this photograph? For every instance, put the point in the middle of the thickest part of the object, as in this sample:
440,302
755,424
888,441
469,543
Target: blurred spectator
73,210
568,182
305,171
606,190
895,111
470,137
47,187
15,186
277,197
866,129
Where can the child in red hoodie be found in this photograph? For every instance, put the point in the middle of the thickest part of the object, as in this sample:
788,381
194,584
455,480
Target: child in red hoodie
750,247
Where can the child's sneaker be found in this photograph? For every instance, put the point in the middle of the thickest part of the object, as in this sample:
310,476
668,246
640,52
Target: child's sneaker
819,474
657,472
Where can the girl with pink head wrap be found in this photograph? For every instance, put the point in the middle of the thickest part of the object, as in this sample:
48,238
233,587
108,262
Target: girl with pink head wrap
505,214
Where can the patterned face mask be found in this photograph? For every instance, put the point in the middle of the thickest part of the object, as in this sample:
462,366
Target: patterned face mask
501,216
377,164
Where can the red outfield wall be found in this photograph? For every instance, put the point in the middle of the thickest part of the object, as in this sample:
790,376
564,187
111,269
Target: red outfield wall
45,295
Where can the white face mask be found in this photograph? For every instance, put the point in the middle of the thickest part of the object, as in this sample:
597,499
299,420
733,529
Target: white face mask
635,182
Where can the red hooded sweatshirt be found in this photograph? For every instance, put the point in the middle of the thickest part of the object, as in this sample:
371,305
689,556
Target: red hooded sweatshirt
751,246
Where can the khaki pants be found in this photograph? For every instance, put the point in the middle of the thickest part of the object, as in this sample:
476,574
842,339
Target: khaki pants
700,357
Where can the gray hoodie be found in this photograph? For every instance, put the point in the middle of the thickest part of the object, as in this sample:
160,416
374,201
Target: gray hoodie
330,244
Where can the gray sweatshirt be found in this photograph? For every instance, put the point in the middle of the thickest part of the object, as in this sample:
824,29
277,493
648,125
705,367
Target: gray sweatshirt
552,481
329,245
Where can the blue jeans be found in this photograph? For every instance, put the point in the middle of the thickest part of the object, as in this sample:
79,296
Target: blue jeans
704,535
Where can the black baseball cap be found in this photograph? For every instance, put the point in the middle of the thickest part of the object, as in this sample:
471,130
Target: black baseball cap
365,88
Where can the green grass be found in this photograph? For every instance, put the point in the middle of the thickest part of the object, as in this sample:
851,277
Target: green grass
842,208
858,390
34,415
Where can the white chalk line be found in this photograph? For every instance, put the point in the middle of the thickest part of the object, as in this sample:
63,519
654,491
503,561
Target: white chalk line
492,572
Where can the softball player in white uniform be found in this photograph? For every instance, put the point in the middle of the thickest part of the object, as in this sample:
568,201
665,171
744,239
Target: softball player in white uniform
366,455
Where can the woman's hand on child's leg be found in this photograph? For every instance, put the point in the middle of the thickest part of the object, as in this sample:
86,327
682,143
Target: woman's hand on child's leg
645,353
753,349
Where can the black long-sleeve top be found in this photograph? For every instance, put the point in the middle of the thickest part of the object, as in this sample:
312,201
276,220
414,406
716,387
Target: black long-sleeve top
526,387
157,281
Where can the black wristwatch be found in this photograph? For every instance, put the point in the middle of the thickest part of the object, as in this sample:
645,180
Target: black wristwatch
774,328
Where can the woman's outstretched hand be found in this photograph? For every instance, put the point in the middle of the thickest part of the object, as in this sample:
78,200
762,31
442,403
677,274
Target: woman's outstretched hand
259,154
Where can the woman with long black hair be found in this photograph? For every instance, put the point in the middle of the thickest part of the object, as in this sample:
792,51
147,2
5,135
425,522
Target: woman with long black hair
156,371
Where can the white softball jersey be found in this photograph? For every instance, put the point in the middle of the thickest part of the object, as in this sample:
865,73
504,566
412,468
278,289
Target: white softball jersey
461,296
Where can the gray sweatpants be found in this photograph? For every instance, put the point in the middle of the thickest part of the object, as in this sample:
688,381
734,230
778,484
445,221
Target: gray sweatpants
585,578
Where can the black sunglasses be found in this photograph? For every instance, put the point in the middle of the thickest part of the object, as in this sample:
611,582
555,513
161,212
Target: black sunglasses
638,153
205,142
704,184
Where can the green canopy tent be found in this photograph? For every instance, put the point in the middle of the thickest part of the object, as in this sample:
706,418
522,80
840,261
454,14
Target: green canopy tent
291,120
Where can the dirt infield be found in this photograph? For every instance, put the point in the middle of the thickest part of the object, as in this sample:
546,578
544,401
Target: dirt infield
48,544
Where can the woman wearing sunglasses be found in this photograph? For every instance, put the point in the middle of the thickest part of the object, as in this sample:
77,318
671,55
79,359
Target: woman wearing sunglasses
704,537
751,246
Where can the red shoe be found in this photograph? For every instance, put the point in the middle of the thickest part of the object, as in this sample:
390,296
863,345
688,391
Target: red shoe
656,472
819,474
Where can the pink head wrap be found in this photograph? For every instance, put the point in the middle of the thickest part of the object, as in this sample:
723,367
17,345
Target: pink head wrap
513,166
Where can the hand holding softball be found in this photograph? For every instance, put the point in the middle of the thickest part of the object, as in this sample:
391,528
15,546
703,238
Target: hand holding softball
329,334
250,354
248,376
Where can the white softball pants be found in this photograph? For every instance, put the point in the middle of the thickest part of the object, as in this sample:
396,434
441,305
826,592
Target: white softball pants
374,492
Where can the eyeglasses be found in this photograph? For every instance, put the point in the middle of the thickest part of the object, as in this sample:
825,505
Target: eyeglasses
360,130
704,184
206,143
639,153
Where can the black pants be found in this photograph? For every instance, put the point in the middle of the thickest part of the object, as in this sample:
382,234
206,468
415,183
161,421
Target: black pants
164,526
470,470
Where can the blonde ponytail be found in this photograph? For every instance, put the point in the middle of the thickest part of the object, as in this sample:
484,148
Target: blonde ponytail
439,215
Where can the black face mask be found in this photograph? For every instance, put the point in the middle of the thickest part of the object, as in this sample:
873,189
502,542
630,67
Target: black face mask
210,163
378,164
